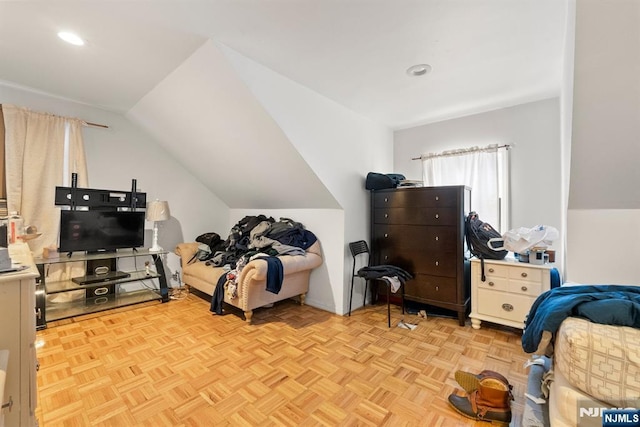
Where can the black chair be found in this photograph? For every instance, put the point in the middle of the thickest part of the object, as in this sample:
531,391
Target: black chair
361,248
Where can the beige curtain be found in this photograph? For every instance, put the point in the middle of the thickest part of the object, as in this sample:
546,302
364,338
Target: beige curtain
35,160
3,186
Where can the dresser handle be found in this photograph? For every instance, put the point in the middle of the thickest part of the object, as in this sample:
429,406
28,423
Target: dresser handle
386,215
386,200
437,288
491,270
386,235
386,257
437,198
437,238
491,283
437,216
524,289
523,274
437,263
507,307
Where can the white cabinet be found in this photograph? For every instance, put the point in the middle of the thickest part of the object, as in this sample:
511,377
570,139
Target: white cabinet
18,336
509,290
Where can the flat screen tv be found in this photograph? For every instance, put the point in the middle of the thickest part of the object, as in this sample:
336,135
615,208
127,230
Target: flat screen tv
96,230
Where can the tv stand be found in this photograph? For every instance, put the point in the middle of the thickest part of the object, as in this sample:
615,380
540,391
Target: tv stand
129,283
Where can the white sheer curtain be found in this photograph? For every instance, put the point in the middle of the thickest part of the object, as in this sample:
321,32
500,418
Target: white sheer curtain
41,152
485,170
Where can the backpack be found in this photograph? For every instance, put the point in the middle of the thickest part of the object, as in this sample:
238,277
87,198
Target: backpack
202,254
478,234
212,240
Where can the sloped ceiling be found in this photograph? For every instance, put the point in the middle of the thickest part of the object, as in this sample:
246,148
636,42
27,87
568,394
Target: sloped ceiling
485,54
207,119
157,62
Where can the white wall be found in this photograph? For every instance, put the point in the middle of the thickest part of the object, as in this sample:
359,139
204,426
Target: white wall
606,106
566,117
124,152
533,128
205,117
341,147
603,246
604,202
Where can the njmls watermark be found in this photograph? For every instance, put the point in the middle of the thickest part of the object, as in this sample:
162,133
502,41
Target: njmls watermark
621,415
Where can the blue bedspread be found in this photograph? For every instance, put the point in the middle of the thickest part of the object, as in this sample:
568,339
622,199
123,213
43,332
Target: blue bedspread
606,304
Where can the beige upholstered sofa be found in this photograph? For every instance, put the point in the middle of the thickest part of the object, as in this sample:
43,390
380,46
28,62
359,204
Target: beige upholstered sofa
251,291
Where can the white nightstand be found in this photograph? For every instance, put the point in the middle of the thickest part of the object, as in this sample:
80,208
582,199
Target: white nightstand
508,292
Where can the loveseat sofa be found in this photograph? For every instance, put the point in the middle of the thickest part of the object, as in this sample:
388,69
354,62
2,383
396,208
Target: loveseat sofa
252,280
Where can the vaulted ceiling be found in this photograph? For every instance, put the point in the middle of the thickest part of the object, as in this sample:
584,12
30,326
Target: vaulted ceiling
484,54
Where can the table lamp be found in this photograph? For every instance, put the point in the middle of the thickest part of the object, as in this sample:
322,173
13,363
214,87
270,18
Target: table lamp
157,211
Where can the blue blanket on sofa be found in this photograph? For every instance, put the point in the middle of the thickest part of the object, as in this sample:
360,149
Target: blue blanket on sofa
607,304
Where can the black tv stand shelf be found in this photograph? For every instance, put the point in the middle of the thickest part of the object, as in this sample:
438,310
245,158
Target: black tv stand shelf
100,278
78,298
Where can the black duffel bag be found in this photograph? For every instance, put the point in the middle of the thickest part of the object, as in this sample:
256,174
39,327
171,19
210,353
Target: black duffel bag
380,181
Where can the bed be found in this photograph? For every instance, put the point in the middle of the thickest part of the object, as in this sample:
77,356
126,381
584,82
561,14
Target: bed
592,335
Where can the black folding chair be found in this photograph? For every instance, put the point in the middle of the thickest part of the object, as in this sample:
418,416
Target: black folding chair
359,249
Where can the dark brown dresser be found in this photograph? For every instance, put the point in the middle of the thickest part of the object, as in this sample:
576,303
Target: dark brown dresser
422,230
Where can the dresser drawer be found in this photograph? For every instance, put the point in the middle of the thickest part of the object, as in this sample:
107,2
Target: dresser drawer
504,305
520,287
425,287
517,272
495,283
420,262
415,238
416,216
416,197
494,270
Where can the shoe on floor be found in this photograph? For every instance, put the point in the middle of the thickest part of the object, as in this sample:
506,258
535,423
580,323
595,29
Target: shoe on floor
469,381
490,401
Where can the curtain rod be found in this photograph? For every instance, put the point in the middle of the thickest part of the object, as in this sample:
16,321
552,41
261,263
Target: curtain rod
464,150
84,122
97,125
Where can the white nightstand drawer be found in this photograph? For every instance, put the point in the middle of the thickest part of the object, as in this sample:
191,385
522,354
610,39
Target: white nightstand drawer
506,306
524,273
495,283
524,288
495,270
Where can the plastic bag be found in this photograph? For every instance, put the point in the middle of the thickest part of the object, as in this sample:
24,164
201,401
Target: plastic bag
522,239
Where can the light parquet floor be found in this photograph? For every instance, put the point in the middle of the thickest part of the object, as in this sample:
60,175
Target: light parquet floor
176,364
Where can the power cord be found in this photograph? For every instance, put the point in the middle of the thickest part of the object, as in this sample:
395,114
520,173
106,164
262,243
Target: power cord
178,293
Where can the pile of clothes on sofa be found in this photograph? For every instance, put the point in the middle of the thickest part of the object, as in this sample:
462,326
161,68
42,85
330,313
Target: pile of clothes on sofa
252,237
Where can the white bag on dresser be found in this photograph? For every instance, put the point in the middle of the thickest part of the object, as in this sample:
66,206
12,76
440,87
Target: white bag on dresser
522,239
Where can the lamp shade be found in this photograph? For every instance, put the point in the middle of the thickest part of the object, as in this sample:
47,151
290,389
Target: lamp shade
158,211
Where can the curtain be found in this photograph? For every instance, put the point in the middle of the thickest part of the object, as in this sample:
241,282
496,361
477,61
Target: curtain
35,158
3,185
482,169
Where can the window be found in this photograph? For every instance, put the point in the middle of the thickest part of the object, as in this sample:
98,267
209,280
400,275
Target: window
485,170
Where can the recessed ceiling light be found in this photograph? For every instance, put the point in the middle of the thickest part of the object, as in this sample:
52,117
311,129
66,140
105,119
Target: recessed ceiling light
72,38
419,70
